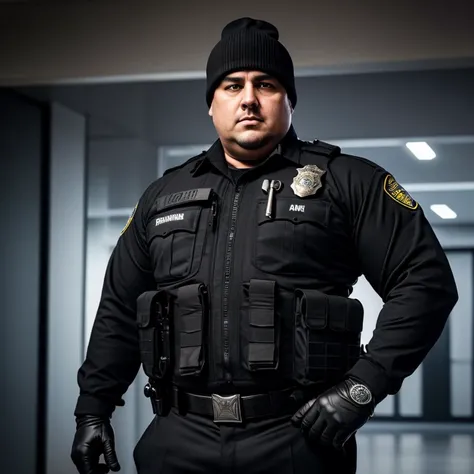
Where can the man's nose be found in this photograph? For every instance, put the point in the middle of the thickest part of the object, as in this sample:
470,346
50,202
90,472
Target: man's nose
249,99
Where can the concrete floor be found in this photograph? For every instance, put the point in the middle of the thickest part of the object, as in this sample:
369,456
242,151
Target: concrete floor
429,449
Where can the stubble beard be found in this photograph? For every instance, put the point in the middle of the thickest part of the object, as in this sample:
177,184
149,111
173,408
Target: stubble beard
253,143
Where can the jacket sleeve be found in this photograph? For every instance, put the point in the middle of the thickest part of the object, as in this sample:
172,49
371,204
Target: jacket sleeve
113,358
402,259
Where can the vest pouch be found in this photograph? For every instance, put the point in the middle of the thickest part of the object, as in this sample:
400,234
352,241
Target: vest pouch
327,336
154,333
177,233
191,313
260,352
346,320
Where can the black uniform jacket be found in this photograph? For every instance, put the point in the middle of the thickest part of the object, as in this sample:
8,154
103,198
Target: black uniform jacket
196,225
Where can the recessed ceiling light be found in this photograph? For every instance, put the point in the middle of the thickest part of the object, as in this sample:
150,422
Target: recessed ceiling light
443,211
421,150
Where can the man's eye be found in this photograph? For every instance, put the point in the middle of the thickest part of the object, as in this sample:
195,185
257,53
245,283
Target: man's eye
232,87
266,85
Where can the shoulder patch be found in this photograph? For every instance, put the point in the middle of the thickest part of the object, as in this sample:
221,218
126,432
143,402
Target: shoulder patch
398,193
130,219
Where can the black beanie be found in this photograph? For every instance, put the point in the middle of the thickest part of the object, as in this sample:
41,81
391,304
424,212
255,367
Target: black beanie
248,44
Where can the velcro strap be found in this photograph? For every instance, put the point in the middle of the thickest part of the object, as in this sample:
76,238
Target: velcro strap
144,309
183,197
337,313
190,313
262,324
312,305
345,314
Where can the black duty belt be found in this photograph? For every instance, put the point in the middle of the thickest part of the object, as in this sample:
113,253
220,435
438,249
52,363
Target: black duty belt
237,408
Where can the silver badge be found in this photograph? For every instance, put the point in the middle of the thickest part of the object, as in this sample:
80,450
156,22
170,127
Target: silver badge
360,394
307,181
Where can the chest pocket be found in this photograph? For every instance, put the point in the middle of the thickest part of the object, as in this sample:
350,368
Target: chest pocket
293,241
178,231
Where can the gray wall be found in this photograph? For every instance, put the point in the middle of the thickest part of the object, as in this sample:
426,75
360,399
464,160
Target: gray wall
130,162
66,282
379,105
22,283
42,186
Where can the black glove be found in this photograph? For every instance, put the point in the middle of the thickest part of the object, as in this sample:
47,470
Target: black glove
94,436
336,414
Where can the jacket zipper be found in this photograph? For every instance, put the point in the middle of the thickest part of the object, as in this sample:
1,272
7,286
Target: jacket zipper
212,223
227,272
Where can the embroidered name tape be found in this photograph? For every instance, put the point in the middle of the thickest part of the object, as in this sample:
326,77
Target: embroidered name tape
170,218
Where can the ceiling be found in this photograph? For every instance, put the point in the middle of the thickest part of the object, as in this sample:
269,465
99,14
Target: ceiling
66,41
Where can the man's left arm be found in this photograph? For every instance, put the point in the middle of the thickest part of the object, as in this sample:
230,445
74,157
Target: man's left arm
404,262
402,259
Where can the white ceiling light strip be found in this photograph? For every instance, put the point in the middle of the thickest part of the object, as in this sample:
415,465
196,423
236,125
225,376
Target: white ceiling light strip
435,187
421,150
443,211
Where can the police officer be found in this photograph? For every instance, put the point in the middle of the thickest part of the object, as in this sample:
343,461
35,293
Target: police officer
230,284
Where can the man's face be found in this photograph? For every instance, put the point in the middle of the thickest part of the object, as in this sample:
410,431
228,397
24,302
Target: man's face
250,109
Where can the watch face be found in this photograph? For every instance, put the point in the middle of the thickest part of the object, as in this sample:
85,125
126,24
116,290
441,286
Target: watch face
360,394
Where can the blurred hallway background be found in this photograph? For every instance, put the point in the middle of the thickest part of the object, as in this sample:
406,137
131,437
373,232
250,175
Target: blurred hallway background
99,98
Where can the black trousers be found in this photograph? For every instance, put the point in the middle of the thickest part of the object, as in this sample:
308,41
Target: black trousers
182,444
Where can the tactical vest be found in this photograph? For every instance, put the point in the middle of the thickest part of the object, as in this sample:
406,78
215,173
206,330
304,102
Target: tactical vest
323,330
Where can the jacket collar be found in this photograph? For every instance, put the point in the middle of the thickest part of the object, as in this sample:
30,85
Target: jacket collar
288,148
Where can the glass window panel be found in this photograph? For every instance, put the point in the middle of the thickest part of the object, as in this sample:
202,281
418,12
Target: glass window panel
386,407
460,321
461,389
461,329
410,396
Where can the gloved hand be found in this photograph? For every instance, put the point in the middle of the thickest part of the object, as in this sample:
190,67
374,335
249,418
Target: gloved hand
336,414
94,436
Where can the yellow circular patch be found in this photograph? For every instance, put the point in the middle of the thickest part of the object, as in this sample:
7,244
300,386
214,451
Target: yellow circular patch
130,219
398,193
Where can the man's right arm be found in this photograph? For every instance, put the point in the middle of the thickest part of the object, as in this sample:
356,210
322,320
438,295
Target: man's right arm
113,358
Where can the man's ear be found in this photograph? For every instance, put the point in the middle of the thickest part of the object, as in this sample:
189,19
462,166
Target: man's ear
210,111
291,105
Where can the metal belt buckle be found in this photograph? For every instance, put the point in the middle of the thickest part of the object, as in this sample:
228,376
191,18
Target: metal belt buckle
226,409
